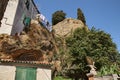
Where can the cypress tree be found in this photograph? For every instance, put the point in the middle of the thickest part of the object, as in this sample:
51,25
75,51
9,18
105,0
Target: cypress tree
80,16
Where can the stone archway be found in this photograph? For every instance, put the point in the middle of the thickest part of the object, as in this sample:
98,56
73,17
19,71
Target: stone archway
27,55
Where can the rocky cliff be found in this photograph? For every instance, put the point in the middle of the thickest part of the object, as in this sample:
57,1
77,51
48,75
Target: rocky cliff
67,26
35,43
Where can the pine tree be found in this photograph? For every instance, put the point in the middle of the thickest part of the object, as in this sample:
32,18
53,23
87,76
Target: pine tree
58,16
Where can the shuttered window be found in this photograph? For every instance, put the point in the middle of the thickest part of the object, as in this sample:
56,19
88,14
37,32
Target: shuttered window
25,73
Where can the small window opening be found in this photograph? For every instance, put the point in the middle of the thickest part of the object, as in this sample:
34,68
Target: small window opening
27,3
26,22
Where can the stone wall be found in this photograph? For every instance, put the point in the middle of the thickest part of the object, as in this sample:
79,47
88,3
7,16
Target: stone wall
108,77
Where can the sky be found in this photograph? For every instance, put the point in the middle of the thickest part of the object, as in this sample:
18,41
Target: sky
102,14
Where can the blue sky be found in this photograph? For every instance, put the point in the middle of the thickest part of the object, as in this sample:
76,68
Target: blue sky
102,14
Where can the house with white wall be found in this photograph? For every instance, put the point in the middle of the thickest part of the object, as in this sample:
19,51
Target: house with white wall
24,70
14,13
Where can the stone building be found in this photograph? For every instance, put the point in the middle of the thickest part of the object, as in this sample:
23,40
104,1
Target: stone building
13,14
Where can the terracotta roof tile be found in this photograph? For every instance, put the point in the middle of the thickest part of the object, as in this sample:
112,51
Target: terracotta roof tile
34,63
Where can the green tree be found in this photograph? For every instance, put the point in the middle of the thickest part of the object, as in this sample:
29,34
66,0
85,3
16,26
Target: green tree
93,43
58,16
81,16
118,59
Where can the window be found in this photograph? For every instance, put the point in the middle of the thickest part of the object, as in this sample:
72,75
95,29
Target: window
27,3
26,21
25,73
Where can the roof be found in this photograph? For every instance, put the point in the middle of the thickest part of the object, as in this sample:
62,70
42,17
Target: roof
41,64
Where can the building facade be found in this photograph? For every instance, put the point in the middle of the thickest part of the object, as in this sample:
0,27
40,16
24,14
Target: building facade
13,14
24,70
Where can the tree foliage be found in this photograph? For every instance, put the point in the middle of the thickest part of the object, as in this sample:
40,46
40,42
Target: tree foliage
93,43
112,69
81,16
58,16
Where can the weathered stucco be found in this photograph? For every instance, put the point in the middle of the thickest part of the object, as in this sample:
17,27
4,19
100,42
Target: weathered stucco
14,14
7,72
21,13
43,74
8,18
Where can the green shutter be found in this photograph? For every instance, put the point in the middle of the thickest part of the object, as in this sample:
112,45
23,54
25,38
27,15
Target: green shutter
25,73
26,21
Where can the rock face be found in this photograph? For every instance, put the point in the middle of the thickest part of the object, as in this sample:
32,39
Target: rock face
62,30
65,27
35,43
